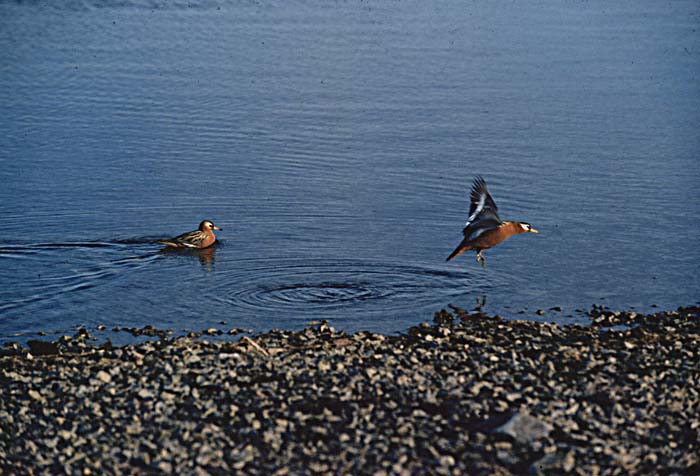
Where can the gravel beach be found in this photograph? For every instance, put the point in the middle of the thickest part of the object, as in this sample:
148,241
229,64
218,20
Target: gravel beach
465,394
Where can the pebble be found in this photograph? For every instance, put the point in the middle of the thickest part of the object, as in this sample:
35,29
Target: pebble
35,395
524,428
104,376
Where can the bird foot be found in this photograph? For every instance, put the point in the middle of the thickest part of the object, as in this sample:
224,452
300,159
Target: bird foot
481,258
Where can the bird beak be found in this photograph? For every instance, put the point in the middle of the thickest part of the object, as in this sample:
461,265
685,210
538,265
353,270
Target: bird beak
216,228
532,230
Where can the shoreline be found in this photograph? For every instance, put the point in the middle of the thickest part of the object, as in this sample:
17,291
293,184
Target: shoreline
467,394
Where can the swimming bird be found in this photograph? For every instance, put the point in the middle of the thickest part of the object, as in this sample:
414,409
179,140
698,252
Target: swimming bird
201,238
484,228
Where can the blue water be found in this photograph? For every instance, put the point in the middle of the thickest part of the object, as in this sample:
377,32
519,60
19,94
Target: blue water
335,144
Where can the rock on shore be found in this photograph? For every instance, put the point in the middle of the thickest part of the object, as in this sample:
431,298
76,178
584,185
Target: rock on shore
469,394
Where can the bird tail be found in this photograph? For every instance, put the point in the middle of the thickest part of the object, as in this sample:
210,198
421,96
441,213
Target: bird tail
461,248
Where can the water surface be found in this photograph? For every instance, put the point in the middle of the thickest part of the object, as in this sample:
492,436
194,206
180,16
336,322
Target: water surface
335,143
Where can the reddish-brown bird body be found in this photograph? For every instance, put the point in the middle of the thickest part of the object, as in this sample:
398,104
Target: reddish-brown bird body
484,228
201,238
489,239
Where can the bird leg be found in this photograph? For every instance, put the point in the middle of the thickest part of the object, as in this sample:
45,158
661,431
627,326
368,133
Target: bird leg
481,258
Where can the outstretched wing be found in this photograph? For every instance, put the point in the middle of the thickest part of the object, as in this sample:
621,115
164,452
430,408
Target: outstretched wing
483,212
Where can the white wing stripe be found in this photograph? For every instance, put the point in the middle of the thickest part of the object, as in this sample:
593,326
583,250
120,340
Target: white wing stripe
479,207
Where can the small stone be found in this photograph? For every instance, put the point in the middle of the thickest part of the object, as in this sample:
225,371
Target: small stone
553,463
524,428
104,376
144,394
35,395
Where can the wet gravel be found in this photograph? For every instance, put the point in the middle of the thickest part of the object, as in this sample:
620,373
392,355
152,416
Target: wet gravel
466,394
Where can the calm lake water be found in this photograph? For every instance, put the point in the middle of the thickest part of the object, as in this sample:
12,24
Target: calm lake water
335,143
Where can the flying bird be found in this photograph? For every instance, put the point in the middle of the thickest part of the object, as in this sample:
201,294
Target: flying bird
201,238
484,228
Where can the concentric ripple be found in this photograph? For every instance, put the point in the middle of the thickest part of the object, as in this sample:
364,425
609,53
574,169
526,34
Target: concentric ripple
317,288
320,293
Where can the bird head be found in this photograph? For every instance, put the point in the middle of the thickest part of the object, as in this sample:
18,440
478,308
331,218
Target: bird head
207,225
527,228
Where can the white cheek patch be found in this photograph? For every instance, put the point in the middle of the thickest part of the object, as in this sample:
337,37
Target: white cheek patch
524,227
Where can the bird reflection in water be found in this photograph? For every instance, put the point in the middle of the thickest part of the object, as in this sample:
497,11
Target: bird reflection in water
480,303
206,256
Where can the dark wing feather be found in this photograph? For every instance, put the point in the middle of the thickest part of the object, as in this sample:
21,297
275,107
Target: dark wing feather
481,200
483,212
478,227
191,239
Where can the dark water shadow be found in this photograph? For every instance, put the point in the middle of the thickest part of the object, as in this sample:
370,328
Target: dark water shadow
10,247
